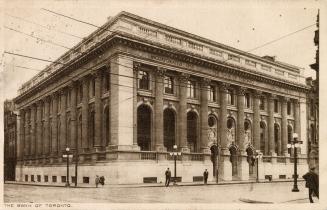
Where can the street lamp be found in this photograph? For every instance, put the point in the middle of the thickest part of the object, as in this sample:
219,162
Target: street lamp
257,156
67,156
175,154
295,144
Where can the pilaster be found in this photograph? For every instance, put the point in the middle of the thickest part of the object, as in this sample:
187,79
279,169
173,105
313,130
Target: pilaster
204,115
158,109
46,148
85,112
182,123
223,115
63,121
73,112
54,141
33,130
284,126
256,119
39,131
240,117
271,124
97,107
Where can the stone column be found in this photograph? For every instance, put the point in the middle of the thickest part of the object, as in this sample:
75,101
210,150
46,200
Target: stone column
271,122
54,146
182,118
21,142
39,141
284,127
97,108
204,115
73,118
256,120
225,166
27,144
158,110
297,125
46,145
33,130
243,166
136,67
63,121
85,112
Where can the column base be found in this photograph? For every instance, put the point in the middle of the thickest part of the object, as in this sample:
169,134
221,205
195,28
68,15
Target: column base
205,150
243,167
161,148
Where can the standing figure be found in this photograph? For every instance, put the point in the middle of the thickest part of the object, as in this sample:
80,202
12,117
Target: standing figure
97,181
312,182
205,176
168,176
102,180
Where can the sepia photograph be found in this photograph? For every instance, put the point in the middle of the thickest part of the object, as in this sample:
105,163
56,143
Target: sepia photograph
165,104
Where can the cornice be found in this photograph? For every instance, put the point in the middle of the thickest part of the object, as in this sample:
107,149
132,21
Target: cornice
157,48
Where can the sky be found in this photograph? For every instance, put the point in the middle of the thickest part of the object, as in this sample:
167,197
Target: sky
244,25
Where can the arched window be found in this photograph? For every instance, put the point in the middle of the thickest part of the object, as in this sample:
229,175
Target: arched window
68,133
263,138
144,127
79,131
92,127
213,128
169,85
144,80
230,130
247,132
106,126
233,160
289,137
276,136
169,129
192,130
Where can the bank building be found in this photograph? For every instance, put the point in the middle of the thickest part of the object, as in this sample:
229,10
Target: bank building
125,95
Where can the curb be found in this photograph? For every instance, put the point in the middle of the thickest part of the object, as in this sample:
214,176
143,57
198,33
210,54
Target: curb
161,185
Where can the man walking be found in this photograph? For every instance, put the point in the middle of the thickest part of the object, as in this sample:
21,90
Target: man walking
205,176
168,175
312,182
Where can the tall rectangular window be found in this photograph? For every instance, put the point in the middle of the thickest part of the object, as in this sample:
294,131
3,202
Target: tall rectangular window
276,105
169,85
262,103
289,108
230,97
191,89
143,80
212,93
247,100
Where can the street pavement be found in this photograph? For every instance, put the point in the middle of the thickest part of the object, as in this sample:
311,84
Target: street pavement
278,192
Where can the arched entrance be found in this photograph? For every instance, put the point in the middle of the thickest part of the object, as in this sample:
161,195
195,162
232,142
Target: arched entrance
169,129
144,127
192,121
233,160
214,159
251,161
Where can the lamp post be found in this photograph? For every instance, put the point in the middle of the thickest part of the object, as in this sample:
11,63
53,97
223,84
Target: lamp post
67,156
257,156
175,154
295,144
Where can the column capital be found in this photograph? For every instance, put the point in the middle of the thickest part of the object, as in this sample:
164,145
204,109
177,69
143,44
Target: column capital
272,97
224,87
285,99
183,77
136,66
257,93
160,72
205,82
241,91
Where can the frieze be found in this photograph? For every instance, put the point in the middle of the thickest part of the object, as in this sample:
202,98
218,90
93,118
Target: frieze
171,61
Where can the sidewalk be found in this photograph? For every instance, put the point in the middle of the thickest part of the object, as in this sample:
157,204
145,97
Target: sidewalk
80,185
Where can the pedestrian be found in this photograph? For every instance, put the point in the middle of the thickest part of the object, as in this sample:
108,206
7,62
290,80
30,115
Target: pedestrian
205,176
168,176
101,180
97,180
312,182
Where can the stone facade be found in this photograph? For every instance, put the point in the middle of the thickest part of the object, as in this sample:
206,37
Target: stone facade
124,96
10,133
